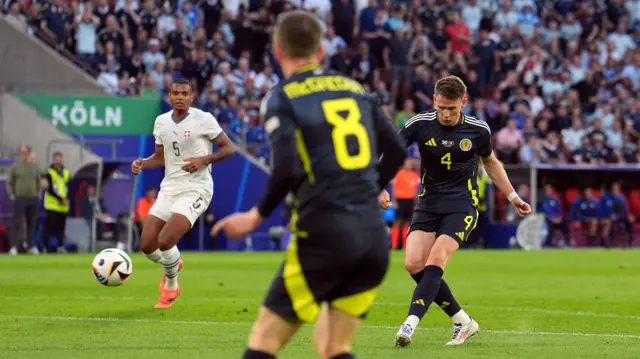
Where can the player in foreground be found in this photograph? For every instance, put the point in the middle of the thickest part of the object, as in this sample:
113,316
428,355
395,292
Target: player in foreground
184,138
326,136
450,146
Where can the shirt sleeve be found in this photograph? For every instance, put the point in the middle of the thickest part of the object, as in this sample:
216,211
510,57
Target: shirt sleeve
281,130
408,132
486,148
156,132
211,127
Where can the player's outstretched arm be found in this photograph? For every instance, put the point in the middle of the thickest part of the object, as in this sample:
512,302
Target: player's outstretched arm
499,177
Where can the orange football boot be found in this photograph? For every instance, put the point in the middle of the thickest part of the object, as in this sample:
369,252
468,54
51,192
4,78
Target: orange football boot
167,298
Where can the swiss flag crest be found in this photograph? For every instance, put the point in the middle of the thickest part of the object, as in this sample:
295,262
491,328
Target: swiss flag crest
187,133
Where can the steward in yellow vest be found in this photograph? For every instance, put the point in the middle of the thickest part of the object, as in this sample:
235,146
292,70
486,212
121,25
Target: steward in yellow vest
56,202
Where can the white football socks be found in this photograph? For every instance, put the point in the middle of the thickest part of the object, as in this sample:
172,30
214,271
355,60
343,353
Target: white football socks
171,262
461,317
155,256
412,321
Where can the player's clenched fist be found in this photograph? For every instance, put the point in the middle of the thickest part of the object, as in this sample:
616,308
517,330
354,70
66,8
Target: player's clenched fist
238,224
193,165
384,200
136,166
521,207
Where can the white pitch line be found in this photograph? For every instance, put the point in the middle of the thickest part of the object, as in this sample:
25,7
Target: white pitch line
198,322
380,303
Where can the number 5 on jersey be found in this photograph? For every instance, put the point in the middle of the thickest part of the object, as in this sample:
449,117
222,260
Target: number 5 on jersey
344,127
176,149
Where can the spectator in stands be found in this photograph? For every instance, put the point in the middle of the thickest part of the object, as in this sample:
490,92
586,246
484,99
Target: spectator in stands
585,212
86,27
630,153
530,153
23,189
552,211
614,210
396,58
584,154
508,141
56,202
573,135
406,113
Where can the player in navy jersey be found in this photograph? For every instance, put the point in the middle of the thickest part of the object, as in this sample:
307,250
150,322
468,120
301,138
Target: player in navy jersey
327,135
451,144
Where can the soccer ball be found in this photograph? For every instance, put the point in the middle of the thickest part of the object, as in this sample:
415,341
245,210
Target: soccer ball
112,267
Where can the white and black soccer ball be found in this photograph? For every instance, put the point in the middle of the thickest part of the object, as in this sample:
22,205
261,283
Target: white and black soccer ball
112,267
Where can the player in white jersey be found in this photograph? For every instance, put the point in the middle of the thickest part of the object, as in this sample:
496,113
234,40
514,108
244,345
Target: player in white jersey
184,138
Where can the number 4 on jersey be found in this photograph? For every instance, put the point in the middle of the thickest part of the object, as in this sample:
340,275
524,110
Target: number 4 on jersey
446,160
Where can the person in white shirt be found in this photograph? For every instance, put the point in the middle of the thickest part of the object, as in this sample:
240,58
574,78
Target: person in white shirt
472,14
265,80
623,41
331,42
507,17
184,138
536,103
572,136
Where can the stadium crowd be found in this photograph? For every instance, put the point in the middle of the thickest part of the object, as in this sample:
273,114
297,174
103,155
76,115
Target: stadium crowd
557,81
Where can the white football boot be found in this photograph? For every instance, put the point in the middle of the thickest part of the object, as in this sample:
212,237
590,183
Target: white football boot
403,338
462,332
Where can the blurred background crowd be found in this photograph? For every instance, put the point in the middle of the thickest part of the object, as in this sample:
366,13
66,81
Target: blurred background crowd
557,80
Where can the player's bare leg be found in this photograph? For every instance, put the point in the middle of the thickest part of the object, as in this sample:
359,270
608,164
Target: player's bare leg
419,245
334,333
269,334
149,238
175,228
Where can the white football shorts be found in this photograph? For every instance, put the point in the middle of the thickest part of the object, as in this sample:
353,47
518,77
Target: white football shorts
190,204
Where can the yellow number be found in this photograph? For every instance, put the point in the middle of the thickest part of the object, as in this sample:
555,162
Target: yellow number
349,126
446,160
469,221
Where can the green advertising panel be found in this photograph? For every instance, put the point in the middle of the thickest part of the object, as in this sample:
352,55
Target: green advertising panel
96,115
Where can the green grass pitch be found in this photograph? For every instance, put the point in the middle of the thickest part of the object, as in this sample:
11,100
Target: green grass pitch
553,304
